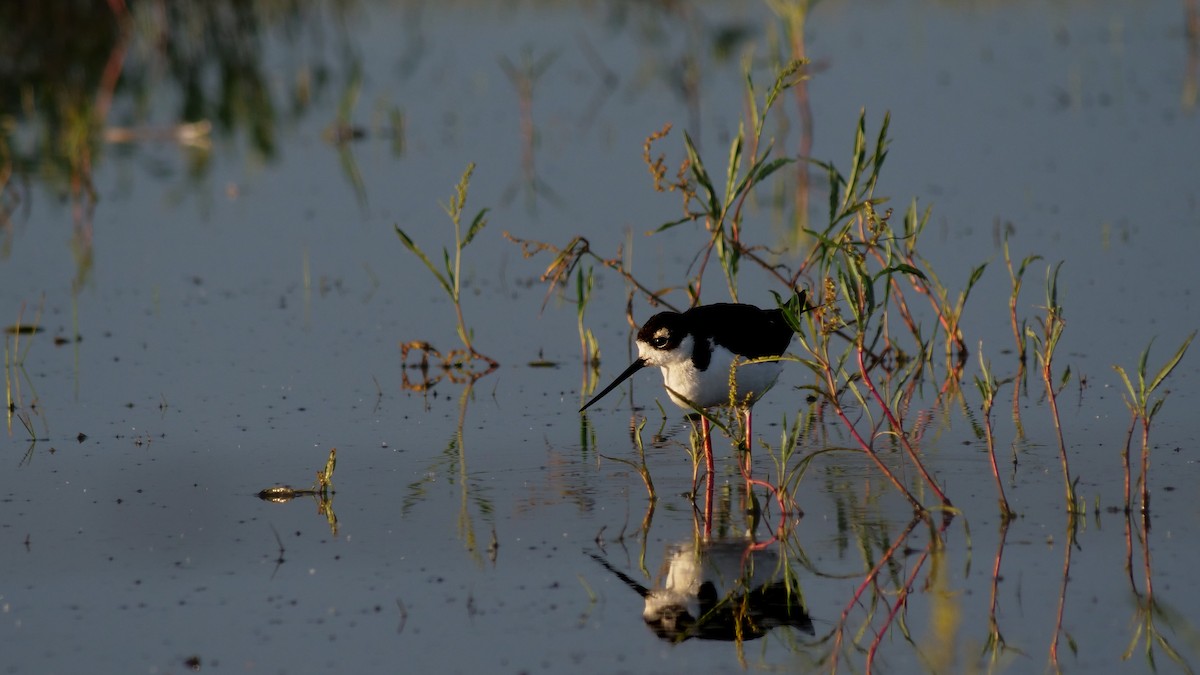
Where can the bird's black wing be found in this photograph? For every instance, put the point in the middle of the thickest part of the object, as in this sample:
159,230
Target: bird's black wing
744,329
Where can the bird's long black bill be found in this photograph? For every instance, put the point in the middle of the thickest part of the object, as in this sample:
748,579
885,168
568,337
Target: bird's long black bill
633,368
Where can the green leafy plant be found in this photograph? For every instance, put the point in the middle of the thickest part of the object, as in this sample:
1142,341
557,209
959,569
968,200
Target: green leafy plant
449,276
1143,406
988,387
589,348
1045,345
720,210
1020,331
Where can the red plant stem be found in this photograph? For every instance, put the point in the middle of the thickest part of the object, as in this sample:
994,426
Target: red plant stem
991,443
1145,467
898,292
899,429
867,447
951,328
1062,446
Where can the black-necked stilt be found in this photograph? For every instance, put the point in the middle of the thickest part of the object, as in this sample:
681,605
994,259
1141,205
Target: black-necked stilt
697,349
723,590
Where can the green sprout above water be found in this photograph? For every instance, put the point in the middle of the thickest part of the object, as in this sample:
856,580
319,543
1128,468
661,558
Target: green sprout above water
1045,346
450,274
1143,407
988,387
721,211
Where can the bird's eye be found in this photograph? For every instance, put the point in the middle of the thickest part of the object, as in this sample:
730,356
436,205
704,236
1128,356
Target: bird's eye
659,342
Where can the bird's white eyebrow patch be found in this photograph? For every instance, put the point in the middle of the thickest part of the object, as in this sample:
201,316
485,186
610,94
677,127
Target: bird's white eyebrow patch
662,333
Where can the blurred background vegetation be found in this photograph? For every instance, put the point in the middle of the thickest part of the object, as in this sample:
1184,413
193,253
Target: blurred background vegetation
79,75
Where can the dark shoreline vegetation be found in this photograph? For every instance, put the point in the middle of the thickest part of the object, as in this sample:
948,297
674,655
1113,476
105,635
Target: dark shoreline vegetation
892,341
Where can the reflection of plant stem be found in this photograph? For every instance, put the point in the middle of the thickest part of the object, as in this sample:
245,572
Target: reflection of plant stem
18,395
1068,545
466,527
589,349
342,132
523,79
995,644
795,14
1125,463
1147,607
867,582
643,471
935,548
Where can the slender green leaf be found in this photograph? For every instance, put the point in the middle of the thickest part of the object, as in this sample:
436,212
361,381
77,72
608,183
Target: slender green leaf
666,226
881,144
1128,385
410,245
784,81
900,267
701,175
750,100
1170,365
975,274
449,270
750,179
735,162
1029,259
1141,371
771,167
857,163
1154,408
476,225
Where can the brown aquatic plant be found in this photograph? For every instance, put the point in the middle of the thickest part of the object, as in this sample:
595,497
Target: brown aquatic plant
321,492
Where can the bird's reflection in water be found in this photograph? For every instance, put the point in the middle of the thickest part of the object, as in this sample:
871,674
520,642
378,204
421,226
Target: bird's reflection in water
718,590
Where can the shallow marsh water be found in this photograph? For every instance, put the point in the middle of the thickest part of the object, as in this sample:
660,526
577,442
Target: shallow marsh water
239,311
